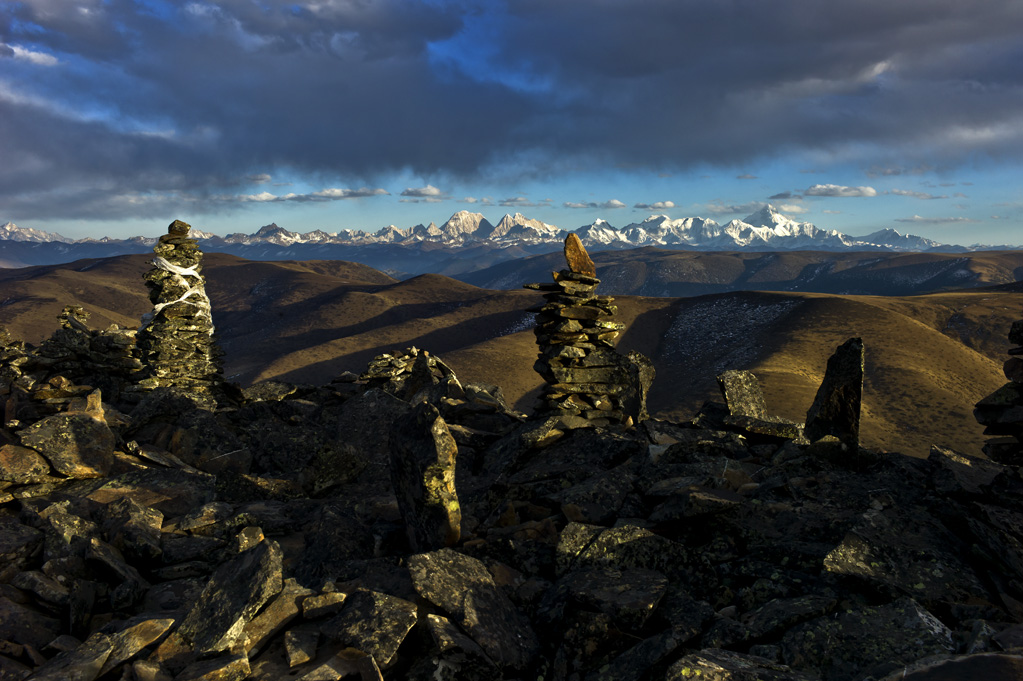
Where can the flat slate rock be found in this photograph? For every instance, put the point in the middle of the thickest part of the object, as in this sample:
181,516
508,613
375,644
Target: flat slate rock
373,622
714,664
464,588
233,595
76,445
867,641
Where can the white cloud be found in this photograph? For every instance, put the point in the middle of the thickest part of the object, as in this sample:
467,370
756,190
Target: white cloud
329,194
606,205
839,190
793,208
523,202
37,58
262,196
334,194
657,205
916,195
428,199
422,192
718,208
918,219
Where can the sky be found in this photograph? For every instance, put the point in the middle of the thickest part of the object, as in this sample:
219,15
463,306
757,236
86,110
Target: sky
119,116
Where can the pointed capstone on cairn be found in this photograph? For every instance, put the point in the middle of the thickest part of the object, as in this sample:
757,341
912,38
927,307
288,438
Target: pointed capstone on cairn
588,382
176,339
1002,411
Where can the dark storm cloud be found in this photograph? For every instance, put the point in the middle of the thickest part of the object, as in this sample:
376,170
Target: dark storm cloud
156,101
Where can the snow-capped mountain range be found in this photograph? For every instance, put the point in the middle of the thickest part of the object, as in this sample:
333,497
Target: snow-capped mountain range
766,229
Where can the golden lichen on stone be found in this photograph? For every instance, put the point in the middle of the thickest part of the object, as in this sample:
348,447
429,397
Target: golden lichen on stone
578,259
178,228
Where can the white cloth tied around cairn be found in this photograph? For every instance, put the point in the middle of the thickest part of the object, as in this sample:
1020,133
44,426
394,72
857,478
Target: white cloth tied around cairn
193,295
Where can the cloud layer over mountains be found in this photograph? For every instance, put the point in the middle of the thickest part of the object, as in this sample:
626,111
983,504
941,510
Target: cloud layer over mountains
151,104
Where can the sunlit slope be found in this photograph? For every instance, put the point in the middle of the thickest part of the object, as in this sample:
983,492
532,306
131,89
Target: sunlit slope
929,358
921,378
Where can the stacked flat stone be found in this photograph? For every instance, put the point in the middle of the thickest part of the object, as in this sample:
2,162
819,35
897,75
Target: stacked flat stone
176,340
405,373
102,358
1002,411
586,378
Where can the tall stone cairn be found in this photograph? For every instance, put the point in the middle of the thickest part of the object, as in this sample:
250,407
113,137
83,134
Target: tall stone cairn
588,381
176,340
1002,411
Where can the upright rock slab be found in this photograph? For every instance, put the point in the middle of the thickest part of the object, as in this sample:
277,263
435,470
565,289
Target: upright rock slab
742,394
423,454
176,339
836,409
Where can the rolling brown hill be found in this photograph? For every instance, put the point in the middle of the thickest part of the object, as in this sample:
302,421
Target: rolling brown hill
929,357
675,273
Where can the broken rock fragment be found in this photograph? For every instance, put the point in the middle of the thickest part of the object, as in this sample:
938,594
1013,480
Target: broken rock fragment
76,445
867,641
373,622
235,592
464,588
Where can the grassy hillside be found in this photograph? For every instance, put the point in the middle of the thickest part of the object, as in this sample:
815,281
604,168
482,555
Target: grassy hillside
929,357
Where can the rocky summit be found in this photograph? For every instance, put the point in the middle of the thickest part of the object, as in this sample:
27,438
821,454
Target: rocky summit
399,524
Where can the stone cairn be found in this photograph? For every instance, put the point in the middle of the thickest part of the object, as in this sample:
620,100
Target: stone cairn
1002,411
588,382
176,340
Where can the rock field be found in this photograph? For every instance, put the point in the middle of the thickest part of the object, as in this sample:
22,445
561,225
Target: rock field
160,524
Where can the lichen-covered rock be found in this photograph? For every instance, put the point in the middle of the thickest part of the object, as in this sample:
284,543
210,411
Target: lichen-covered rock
742,394
18,545
464,588
629,596
963,668
22,465
922,564
578,259
725,665
76,445
423,455
233,595
866,641
373,622
272,619
234,667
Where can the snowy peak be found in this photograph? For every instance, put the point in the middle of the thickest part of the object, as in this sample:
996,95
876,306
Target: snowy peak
764,230
892,239
521,225
11,232
463,223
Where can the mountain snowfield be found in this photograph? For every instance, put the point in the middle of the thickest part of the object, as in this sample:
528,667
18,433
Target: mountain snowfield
766,229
